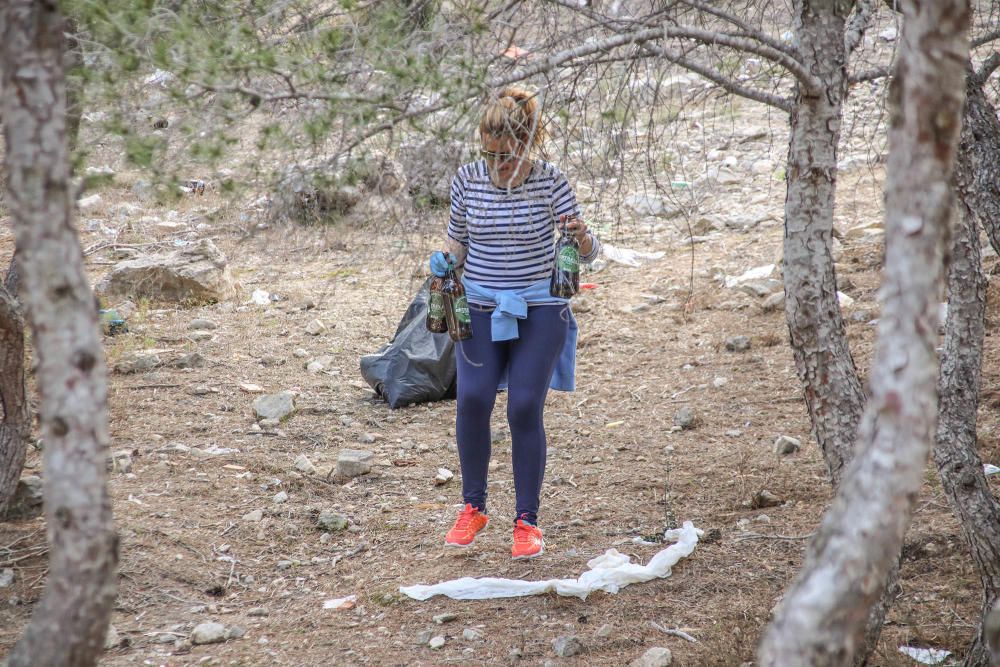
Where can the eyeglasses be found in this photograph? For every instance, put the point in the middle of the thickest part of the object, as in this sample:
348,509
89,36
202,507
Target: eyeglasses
497,157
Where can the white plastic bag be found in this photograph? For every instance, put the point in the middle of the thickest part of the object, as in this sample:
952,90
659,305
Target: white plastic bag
627,256
609,572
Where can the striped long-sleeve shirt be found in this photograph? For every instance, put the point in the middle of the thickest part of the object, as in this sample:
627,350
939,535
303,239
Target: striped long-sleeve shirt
510,234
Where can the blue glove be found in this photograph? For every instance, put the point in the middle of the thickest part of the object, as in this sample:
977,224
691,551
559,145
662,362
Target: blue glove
440,263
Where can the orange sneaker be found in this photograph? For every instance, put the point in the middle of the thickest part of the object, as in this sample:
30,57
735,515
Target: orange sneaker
468,524
528,541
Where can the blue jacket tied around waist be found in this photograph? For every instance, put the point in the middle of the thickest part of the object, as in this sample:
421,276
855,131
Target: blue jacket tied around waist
511,306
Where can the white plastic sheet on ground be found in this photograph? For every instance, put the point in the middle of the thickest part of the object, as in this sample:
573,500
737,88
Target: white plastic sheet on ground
609,572
927,656
627,256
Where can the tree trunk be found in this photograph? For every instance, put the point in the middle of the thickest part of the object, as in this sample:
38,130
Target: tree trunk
956,451
822,617
15,417
982,148
70,622
833,393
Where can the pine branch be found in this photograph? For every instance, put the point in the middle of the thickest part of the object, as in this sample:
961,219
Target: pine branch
869,75
858,24
986,71
748,30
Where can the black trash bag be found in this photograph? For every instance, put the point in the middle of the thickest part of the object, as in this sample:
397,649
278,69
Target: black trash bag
417,366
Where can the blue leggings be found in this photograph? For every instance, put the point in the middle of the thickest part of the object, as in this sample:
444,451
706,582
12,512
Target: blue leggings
529,360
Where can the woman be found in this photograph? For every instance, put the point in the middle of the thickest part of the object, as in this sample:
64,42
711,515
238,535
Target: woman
502,229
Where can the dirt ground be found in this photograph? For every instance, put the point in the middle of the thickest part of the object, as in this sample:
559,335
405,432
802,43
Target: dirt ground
652,342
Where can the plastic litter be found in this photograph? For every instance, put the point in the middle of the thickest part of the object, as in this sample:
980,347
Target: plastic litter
990,469
609,572
627,256
260,297
926,656
341,603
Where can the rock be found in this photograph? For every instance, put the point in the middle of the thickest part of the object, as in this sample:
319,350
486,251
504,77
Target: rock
258,612
354,462
366,438
643,204
121,461
757,273
87,203
275,406
761,288
201,324
441,619
281,497
137,362
200,336
737,343
785,445
319,364
236,632
27,500
424,636
567,647
765,498
685,418
269,423
657,656
189,360
197,273
331,521
112,639
436,642
254,516
300,353
605,631
471,634
443,476
6,577
773,302
208,633
304,465
285,564
762,167
315,328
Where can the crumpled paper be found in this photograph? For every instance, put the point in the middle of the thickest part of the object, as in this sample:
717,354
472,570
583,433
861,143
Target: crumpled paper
609,572
927,656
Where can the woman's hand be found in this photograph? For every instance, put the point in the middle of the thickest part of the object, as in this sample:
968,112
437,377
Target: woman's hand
577,227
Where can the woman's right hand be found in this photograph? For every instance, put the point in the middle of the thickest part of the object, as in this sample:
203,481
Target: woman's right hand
440,262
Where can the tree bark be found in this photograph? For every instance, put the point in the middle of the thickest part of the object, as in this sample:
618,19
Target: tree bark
70,622
982,148
833,393
15,417
956,451
822,617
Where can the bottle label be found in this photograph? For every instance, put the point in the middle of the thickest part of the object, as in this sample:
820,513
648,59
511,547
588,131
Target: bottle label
435,307
568,259
462,310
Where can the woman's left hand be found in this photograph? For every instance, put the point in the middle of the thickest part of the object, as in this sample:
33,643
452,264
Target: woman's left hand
577,227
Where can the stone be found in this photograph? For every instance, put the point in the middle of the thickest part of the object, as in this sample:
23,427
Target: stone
684,418
300,353
285,564
762,167
567,647
201,324
208,633
112,639
424,636
471,634
6,577
354,462
737,343
275,406
197,273
447,617
281,497
658,656
605,631
785,445
87,203
137,362
765,498
319,364
643,204
331,521
254,516
304,465
761,288
315,328
236,632
189,360
436,642
443,476
27,500
121,461
366,438
773,302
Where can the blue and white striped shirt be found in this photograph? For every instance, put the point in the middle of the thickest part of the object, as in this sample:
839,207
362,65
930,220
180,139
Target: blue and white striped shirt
510,234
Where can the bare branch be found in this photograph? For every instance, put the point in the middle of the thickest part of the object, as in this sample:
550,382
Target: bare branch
985,39
748,30
810,84
856,26
725,82
981,75
869,75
